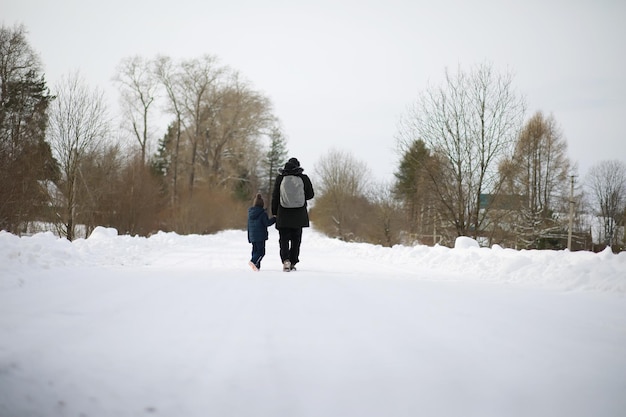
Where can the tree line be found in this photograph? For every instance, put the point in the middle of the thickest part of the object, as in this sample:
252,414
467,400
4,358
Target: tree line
64,165
469,163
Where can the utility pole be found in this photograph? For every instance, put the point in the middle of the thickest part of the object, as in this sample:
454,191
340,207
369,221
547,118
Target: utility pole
571,214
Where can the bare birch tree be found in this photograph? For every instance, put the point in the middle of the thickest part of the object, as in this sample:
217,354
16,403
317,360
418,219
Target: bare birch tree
78,125
470,124
198,85
167,73
138,85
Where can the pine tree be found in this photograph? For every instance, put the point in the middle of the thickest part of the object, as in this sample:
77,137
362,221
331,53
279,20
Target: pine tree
27,161
275,158
412,187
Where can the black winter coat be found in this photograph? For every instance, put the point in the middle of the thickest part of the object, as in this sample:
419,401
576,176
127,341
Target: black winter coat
258,222
292,218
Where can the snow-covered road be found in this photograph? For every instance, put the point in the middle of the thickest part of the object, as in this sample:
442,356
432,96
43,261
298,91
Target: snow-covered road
186,329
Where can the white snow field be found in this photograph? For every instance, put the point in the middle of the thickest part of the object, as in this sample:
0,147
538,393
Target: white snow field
180,326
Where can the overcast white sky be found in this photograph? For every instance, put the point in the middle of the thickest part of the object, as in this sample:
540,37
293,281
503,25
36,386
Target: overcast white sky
340,73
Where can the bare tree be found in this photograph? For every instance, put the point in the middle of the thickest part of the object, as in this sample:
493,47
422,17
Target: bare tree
538,173
215,139
341,188
386,223
167,73
138,85
198,86
99,189
238,117
606,182
469,124
78,125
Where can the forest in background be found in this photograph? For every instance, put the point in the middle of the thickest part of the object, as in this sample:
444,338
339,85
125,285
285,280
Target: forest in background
472,163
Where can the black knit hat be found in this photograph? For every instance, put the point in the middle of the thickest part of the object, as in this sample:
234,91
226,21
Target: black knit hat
258,201
292,164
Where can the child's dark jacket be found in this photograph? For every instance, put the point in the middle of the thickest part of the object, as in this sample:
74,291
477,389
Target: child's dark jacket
258,222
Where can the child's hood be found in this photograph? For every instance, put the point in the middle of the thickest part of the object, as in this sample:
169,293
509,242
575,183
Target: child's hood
255,211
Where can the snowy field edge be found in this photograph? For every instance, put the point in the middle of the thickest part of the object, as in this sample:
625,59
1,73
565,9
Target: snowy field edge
560,270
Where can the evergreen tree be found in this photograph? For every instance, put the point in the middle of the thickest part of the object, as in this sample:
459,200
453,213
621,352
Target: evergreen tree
412,187
162,161
276,156
27,162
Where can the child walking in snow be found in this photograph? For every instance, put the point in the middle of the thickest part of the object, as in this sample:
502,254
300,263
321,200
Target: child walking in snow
258,222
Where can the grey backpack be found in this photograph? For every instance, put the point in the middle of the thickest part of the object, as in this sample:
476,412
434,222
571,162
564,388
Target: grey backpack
292,192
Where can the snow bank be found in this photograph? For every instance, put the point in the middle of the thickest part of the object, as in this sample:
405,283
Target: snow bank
564,270
561,270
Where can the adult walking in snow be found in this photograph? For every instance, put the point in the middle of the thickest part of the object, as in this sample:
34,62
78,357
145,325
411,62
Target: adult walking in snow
292,190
